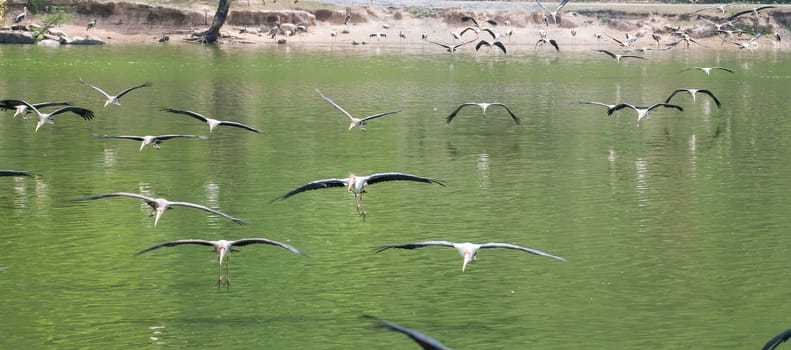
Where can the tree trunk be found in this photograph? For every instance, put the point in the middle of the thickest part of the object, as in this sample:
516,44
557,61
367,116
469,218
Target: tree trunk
211,35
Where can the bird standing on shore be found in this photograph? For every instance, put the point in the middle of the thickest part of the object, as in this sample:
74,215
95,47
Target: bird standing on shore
224,249
618,57
21,17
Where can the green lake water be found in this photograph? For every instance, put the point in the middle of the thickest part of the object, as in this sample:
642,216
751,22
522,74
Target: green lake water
676,231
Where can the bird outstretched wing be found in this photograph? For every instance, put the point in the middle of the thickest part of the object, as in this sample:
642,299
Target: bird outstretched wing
313,185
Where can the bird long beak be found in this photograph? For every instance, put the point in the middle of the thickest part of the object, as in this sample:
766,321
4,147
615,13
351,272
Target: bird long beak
142,145
222,253
467,259
159,213
38,125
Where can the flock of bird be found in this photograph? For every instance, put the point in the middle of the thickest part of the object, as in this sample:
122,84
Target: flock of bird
356,184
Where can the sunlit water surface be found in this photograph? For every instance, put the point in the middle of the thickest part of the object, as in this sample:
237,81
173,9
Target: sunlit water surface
675,231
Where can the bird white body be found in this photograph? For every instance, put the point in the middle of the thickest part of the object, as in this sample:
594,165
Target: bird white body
213,123
356,185
160,205
223,248
354,122
112,99
469,251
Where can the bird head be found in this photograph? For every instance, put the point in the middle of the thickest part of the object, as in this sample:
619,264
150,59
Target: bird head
350,184
39,124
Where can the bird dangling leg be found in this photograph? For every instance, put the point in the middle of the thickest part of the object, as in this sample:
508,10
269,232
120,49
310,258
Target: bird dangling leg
227,273
358,198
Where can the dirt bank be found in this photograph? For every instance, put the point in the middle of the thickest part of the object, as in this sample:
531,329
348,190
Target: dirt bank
127,22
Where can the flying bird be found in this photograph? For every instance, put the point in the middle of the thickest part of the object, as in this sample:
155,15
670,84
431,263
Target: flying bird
44,118
718,26
720,7
773,343
642,112
468,250
160,205
484,106
355,122
554,13
224,249
693,92
749,43
154,141
610,107
542,41
213,123
113,99
618,57
754,10
16,173
452,48
22,109
707,70
356,185
483,43
91,24
626,43
425,342
475,23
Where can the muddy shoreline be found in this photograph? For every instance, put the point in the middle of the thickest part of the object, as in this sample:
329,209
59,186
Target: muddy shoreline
581,23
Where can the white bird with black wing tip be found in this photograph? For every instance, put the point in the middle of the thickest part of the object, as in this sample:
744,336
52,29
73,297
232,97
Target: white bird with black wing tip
452,48
484,106
554,14
356,185
213,123
21,17
468,250
707,70
154,141
224,249
693,92
23,110
618,57
113,99
160,205
642,112
44,118
355,122
497,44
